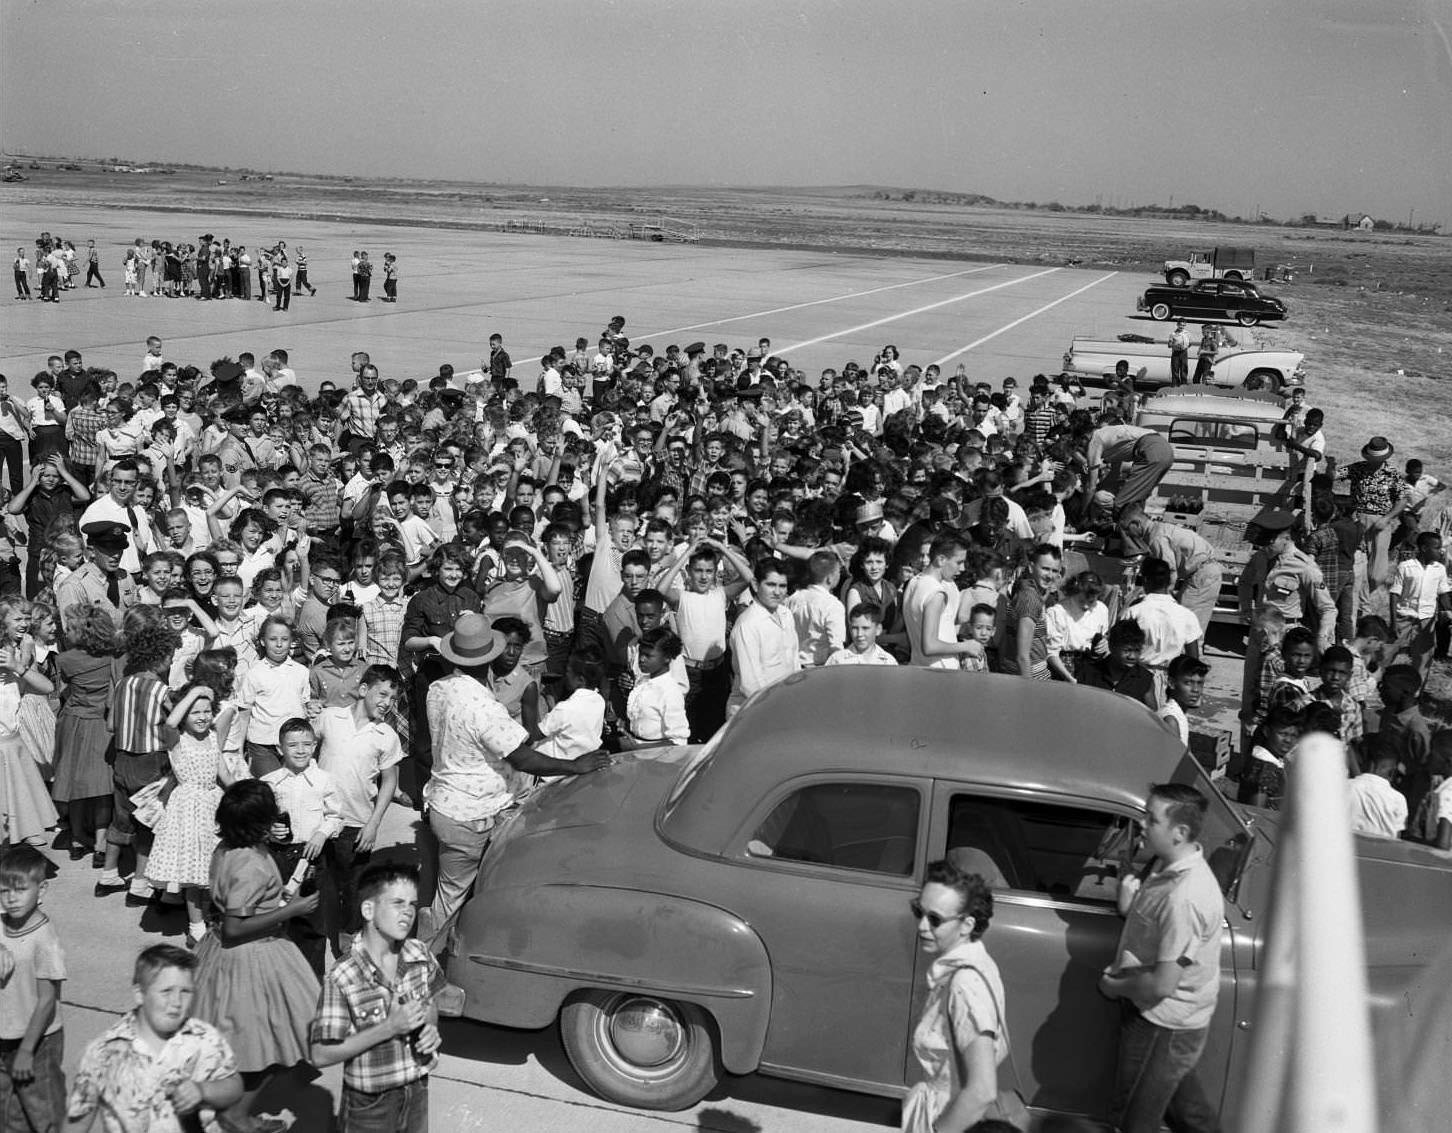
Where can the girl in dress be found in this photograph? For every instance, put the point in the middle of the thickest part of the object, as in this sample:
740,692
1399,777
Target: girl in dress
87,671
252,982
217,669
26,811
37,709
182,853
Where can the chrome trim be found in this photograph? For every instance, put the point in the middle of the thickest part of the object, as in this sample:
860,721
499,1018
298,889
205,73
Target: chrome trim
596,979
1039,901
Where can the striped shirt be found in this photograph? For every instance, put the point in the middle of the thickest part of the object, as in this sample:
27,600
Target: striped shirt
321,503
139,714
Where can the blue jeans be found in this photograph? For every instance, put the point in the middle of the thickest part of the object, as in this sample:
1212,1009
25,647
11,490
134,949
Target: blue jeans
1156,1080
403,1109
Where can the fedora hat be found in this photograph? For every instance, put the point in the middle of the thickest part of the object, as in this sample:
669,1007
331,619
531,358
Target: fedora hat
472,642
1378,448
869,513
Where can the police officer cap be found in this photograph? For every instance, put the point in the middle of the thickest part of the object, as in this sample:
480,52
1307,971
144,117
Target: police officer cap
239,414
1274,520
108,535
696,348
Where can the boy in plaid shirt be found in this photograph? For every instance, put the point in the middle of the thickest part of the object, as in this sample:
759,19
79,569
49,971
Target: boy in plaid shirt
376,1014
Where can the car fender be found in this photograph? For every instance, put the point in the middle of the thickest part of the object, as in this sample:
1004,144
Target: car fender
521,952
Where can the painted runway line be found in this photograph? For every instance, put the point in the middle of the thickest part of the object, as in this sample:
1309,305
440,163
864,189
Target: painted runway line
915,311
814,303
1017,322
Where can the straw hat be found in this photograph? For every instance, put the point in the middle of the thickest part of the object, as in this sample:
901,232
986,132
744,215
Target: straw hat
473,641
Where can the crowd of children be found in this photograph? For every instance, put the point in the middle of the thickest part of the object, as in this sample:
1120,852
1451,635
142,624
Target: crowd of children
239,598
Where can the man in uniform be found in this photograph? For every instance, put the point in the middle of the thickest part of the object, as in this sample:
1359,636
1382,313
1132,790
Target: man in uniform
1196,576
101,579
118,506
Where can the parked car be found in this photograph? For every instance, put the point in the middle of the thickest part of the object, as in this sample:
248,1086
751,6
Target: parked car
1093,359
1237,300
743,906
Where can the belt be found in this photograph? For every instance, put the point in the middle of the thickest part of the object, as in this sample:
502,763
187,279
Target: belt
705,665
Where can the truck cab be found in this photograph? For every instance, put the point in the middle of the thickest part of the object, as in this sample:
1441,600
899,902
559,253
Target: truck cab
1213,263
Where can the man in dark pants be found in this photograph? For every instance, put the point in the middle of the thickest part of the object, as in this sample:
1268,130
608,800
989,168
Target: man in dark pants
1179,354
14,432
204,267
1166,973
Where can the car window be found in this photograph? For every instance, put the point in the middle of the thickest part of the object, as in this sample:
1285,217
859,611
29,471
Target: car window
1067,852
864,826
1232,289
1221,434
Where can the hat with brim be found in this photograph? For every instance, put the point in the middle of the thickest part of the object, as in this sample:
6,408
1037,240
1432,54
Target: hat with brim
869,513
472,642
1378,448
108,536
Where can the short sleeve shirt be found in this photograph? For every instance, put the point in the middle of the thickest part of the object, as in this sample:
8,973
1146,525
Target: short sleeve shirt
37,954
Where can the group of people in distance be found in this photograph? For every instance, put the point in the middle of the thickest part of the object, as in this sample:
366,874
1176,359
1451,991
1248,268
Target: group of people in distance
240,621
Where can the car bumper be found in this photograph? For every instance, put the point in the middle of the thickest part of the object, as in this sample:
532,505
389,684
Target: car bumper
1140,304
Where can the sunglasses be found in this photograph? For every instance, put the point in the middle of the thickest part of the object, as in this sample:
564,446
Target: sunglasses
935,920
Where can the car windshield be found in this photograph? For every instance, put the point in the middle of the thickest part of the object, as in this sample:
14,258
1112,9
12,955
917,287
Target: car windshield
692,768
1226,837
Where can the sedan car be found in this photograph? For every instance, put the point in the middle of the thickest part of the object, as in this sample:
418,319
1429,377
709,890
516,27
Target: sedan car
744,906
1230,299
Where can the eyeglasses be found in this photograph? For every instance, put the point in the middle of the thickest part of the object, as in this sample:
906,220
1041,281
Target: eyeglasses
935,920
328,579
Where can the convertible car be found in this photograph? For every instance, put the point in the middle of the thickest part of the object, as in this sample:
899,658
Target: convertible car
1235,300
743,906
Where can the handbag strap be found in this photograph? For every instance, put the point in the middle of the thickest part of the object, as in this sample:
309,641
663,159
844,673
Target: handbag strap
1002,1028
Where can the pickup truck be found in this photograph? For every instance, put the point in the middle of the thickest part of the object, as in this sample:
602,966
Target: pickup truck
1217,263
744,907
1093,359
1230,465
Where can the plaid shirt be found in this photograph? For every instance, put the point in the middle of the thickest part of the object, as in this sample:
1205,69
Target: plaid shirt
701,475
356,996
1360,687
81,428
384,621
1353,725
361,412
1324,545
321,503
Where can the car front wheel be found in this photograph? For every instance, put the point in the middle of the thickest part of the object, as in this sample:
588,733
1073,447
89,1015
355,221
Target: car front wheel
1160,311
1247,318
1177,279
641,1050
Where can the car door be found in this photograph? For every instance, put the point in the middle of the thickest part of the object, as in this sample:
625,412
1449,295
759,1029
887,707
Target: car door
1194,304
1053,864
837,859
1232,298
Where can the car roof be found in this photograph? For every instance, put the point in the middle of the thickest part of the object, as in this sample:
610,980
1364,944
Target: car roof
927,723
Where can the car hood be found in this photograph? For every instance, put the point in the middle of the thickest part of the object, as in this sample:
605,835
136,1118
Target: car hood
595,799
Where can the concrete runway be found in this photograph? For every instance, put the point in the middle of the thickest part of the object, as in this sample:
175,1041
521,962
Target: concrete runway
456,288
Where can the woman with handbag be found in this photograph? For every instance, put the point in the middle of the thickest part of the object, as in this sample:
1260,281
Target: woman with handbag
962,1037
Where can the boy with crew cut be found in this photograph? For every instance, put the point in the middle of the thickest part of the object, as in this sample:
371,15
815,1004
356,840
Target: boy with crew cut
376,1014
32,969
156,1067
864,624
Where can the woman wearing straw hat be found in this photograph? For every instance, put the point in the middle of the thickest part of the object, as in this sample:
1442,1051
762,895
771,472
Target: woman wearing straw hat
478,753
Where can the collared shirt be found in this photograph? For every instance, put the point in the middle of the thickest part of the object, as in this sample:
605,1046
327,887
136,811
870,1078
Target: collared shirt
1376,807
383,618
1417,588
139,716
361,412
1185,550
355,757
573,727
357,995
334,684
81,428
1353,722
1168,628
1375,488
310,800
1178,916
877,655
321,505
764,650
656,710
132,1087
1333,547
433,611
821,624
88,583
472,733
273,694
240,635
139,542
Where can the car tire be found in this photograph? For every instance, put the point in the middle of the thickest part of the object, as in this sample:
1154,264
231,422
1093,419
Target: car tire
641,1050
1262,378
1233,275
1160,311
1247,318
1178,279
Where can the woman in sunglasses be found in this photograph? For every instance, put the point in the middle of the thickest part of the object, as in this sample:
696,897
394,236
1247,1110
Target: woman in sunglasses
961,1038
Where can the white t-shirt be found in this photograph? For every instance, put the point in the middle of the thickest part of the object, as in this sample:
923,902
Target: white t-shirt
1377,808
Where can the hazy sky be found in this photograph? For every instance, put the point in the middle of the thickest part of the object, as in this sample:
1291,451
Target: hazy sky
1327,106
